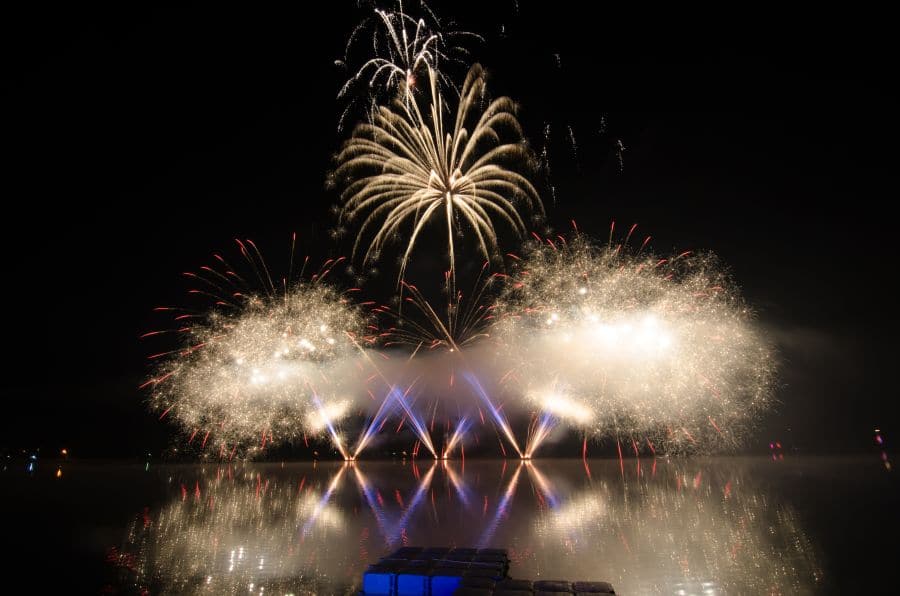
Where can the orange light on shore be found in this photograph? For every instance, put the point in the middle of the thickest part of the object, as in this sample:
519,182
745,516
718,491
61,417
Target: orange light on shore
65,452
59,472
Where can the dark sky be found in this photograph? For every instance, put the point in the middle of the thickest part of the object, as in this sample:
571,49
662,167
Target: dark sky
136,143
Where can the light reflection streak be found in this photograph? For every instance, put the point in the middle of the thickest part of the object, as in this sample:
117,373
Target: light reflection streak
458,484
502,509
392,532
543,485
323,502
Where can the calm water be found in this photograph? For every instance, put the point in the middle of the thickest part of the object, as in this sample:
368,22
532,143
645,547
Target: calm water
680,526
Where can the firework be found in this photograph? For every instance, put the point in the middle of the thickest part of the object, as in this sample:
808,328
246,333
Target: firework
440,337
410,166
648,347
266,362
496,413
403,49
460,323
394,402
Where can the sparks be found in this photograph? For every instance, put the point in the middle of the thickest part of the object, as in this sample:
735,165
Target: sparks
408,167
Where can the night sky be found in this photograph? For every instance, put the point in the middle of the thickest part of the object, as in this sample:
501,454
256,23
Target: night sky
137,143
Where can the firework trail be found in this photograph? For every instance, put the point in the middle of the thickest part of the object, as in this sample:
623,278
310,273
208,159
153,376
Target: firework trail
374,424
267,360
459,432
410,166
496,413
401,49
465,320
418,425
543,425
646,346
554,405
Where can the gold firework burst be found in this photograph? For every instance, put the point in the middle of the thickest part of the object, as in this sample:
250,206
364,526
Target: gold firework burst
410,165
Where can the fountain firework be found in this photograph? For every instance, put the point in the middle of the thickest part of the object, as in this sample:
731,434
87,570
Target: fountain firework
389,405
445,335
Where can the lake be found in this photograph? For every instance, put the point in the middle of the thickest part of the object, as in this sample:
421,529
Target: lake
723,525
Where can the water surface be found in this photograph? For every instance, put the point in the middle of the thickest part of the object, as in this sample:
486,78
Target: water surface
649,526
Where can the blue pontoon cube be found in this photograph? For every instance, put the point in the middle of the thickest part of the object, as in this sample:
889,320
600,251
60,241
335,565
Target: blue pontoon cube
412,583
379,580
444,581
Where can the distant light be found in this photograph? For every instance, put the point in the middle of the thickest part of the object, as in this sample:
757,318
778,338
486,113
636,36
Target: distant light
65,451
59,472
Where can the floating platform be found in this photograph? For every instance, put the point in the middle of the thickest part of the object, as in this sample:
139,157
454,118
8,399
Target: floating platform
438,571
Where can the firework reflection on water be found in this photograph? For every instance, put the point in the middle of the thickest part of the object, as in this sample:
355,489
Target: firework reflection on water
657,526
